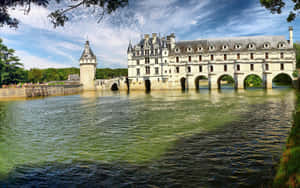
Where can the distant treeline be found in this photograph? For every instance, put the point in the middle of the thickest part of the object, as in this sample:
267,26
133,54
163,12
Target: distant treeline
51,74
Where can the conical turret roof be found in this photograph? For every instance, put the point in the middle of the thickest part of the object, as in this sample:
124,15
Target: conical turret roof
87,52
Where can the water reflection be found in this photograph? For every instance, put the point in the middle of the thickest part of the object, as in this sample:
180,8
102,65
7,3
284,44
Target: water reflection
167,138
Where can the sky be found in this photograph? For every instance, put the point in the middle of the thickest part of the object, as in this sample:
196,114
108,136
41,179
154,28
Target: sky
39,45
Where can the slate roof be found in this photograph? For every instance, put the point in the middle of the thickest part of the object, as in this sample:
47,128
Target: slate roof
87,52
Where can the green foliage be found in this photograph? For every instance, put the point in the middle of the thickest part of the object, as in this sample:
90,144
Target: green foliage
60,16
295,74
11,70
297,48
228,78
110,73
253,81
283,79
276,6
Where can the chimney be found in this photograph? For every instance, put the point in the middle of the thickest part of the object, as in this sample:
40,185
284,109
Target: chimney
146,36
291,36
154,35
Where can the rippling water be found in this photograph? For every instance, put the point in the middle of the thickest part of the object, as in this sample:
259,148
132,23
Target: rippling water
161,139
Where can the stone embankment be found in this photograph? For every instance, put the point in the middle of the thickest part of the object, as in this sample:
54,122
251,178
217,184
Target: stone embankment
39,90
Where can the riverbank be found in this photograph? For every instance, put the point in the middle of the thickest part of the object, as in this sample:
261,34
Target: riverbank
288,174
39,90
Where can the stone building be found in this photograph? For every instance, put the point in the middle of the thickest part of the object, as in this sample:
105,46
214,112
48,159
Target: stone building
88,64
164,63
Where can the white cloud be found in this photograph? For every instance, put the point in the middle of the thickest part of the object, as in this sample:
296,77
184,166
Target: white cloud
31,61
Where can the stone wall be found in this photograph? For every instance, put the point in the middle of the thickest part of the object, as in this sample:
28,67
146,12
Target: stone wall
39,90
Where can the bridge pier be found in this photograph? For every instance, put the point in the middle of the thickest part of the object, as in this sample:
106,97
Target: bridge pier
239,81
212,81
267,80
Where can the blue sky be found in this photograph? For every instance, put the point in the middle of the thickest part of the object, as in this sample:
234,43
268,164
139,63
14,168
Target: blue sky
39,45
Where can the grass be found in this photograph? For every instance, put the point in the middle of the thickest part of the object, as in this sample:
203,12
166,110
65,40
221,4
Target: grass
288,174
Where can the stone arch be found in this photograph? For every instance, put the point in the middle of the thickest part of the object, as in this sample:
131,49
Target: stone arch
219,80
183,83
114,87
260,84
286,81
197,81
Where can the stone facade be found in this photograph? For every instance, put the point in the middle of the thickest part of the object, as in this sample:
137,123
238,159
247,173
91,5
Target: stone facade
88,64
162,63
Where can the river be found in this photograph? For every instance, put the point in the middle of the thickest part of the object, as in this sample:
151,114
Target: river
160,139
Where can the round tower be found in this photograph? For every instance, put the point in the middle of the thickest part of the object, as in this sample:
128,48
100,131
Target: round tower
88,63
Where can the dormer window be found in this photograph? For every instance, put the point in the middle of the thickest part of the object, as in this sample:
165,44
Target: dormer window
281,45
200,49
211,48
189,49
266,45
251,46
177,50
237,46
224,47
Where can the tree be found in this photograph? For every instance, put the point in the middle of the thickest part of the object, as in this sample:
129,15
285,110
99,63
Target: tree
276,6
60,16
11,70
297,47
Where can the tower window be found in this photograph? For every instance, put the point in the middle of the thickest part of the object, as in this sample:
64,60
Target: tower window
211,57
267,55
238,68
177,59
225,57
281,66
177,69
252,67
200,68
211,68
200,57
189,69
190,58
238,56
225,68
251,56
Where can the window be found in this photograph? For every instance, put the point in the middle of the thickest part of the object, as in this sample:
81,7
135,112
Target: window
147,52
200,68
189,69
225,57
137,62
251,56
190,58
147,60
252,67
177,59
156,70
151,52
156,60
200,57
281,66
137,53
266,45
170,71
238,56
267,67
225,68
138,72
211,68
267,55
165,61
176,50
147,70
156,51
238,68
281,55
211,47
177,69
211,57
